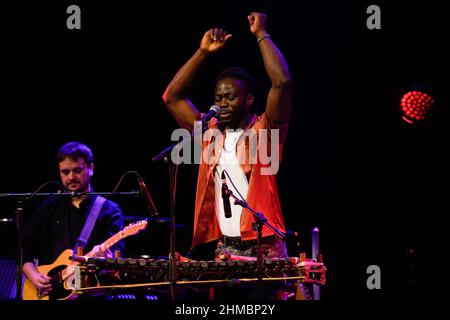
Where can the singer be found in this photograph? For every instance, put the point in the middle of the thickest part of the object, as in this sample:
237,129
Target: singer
235,95
58,221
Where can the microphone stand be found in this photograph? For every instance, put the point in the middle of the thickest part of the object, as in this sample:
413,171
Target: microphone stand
165,155
260,221
20,199
19,255
173,171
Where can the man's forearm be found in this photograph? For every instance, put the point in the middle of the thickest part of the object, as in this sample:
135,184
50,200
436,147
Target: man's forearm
29,268
274,63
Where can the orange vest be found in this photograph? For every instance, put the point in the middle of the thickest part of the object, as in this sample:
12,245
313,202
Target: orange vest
262,193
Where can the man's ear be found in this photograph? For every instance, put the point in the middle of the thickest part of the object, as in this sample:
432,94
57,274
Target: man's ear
250,99
91,169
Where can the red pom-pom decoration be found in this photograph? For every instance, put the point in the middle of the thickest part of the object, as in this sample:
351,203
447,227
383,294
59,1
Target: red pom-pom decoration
415,105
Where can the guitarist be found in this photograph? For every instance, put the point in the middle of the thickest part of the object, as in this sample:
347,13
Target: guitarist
58,221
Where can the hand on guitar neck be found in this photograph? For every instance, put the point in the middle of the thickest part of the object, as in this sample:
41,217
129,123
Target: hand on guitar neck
100,251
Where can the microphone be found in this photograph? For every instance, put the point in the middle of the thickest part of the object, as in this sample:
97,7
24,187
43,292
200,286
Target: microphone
225,197
147,198
211,113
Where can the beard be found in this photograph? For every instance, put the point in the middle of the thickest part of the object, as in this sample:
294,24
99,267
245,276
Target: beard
77,186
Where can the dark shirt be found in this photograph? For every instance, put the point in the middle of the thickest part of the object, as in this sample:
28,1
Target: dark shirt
57,223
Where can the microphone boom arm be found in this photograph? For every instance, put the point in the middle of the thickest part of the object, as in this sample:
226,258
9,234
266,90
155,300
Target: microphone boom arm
259,217
205,118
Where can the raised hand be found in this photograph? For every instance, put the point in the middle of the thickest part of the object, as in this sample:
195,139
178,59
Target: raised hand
214,39
257,23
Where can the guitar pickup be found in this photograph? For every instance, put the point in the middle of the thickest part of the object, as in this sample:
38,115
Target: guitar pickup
78,284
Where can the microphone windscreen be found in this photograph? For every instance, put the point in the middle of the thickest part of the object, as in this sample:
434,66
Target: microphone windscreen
215,108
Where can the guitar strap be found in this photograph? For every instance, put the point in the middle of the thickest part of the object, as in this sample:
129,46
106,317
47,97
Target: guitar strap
89,224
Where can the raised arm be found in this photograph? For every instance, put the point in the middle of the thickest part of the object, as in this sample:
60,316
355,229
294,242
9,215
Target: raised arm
177,92
279,100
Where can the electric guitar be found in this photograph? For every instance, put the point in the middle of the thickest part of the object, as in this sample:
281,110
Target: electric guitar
62,270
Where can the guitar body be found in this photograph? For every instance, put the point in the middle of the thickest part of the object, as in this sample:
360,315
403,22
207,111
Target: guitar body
62,269
60,291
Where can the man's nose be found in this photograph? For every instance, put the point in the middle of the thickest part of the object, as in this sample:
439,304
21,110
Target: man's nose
223,102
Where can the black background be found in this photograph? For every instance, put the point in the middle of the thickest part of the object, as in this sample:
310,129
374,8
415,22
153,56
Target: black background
374,185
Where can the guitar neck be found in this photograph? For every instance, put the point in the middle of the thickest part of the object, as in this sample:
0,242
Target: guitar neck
105,246
110,242
129,230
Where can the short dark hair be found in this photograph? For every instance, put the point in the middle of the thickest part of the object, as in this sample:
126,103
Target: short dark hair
75,150
238,73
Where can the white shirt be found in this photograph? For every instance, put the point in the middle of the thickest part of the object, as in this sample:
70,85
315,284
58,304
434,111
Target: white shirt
228,161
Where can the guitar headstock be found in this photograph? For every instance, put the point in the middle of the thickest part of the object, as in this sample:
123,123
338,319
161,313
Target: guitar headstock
135,227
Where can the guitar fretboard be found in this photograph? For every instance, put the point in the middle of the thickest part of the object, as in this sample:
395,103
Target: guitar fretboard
70,270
